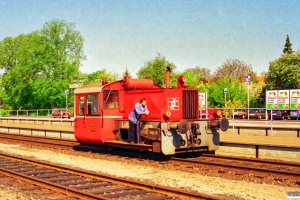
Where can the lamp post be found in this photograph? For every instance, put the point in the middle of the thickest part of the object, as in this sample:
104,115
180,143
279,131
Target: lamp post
248,83
75,85
225,92
253,94
66,92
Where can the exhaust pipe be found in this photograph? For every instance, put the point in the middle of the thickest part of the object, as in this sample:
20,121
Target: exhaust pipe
168,79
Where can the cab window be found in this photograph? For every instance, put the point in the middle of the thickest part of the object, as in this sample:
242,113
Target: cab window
81,105
110,99
92,104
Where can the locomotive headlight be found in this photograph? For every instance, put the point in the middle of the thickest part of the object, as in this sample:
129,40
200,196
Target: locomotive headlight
166,113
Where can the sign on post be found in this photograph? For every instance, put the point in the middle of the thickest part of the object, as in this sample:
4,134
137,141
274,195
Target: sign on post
72,86
225,90
283,99
295,98
272,99
66,92
202,100
247,79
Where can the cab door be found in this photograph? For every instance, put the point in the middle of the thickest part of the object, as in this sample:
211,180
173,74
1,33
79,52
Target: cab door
79,120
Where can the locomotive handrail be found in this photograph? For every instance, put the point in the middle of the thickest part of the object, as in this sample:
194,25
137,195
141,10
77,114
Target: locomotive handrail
102,118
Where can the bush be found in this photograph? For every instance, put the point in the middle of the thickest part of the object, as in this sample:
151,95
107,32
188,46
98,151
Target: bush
3,112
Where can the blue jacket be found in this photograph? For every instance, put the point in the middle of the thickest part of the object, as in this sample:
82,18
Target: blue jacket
136,112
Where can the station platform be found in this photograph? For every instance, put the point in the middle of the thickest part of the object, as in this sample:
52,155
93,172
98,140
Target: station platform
54,127
286,141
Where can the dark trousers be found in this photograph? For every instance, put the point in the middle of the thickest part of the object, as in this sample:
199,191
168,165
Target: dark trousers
133,132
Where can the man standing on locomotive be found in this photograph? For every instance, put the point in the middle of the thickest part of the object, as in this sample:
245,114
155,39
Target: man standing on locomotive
134,117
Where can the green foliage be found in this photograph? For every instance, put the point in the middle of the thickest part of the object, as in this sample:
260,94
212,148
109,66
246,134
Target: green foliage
196,75
40,66
98,75
284,72
3,112
156,70
233,67
236,92
287,46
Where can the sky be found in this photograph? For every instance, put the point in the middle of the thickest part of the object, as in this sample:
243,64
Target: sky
122,34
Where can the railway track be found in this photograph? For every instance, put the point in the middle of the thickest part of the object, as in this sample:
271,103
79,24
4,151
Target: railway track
81,184
64,143
255,170
230,167
259,165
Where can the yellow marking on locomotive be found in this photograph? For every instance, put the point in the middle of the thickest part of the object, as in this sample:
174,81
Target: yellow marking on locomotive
93,127
125,125
147,126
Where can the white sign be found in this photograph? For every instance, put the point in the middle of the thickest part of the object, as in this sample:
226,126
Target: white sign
271,99
225,90
73,86
295,98
202,99
66,92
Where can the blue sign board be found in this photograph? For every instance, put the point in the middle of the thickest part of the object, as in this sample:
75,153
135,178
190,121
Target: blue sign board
248,79
66,92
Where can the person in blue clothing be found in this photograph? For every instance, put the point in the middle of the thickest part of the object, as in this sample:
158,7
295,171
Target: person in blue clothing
134,117
298,114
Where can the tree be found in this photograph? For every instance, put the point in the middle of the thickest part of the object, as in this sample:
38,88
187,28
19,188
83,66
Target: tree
20,58
233,67
192,79
288,46
284,72
156,70
202,74
98,75
40,66
197,75
127,73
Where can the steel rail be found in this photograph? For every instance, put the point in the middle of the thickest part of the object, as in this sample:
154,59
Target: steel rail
232,166
121,181
264,161
52,186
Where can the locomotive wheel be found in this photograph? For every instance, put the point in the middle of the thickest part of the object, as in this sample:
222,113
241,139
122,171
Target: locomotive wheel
118,136
110,148
150,153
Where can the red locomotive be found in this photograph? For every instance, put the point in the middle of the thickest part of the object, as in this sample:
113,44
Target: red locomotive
173,126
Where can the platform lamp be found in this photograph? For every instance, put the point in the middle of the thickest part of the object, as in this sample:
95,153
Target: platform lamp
248,83
253,95
75,85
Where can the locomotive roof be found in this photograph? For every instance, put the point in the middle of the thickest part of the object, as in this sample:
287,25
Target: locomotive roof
92,87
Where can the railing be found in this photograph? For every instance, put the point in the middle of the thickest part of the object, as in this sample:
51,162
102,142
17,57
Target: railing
29,113
251,113
242,113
